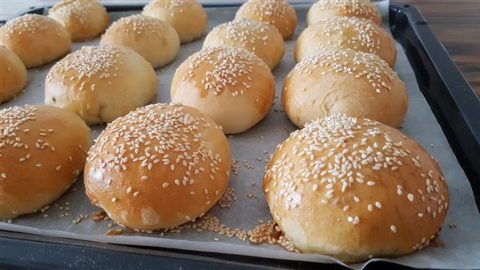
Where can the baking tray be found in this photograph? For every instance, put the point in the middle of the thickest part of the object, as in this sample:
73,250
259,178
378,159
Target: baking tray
452,100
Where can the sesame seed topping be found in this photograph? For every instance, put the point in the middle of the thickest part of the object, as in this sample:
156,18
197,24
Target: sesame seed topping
158,132
393,229
349,8
244,33
410,197
80,11
26,24
81,65
268,11
342,155
367,66
363,34
138,24
224,68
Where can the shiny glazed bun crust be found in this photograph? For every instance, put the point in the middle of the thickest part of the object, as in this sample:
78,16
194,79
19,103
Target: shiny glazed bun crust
83,19
187,17
355,189
153,39
262,39
101,83
232,86
347,82
36,39
158,167
275,12
334,33
364,9
42,151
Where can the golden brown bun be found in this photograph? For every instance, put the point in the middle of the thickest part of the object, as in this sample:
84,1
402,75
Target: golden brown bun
275,12
36,39
13,74
232,86
335,33
355,188
364,9
187,17
83,19
42,151
101,83
262,39
158,167
347,82
153,39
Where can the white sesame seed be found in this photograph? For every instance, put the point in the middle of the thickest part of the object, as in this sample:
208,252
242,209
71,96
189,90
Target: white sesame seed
393,229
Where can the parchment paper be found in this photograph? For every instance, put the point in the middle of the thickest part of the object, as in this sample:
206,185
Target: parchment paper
458,247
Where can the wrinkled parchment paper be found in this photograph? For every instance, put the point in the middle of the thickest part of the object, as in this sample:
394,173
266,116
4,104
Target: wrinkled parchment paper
457,248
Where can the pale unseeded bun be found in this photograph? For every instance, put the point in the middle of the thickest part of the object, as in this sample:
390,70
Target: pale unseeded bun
262,39
153,39
101,83
355,189
13,74
187,17
364,9
347,82
36,39
232,86
275,12
335,33
83,19
158,167
42,151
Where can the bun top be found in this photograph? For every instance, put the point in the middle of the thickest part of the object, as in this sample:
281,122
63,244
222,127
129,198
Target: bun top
187,16
360,65
13,74
29,24
84,19
36,39
346,33
80,9
227,69
349,8
158,167
358,187
260,38
91,65
42,151
275,12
